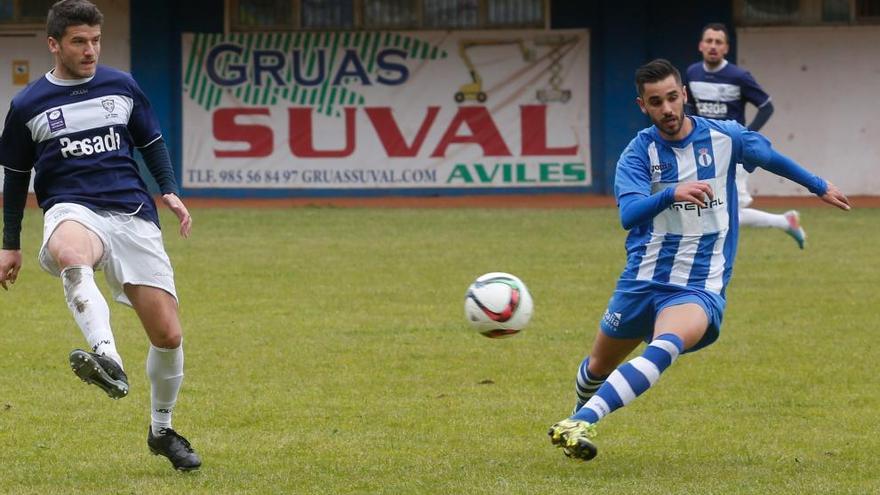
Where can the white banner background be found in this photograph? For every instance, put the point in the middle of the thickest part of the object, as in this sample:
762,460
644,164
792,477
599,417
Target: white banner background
519,78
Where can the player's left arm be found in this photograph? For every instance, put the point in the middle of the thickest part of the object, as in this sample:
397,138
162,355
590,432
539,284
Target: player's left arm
176,205
757,152
158,162
144,128
755,94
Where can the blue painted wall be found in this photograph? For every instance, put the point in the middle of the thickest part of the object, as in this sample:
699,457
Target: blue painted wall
155,58
624,35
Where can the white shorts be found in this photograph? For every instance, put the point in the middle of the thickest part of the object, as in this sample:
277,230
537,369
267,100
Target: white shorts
744,199
133,249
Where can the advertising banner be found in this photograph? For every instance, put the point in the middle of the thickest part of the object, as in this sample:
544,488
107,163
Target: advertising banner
386,110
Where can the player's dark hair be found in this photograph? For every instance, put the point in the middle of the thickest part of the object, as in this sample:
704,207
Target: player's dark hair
655,70
71,13
716,26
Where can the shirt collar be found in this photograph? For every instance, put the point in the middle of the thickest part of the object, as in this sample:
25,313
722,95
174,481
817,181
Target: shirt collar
52,78
719,69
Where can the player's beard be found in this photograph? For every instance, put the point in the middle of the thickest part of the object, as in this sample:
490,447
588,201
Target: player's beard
73,67
671,128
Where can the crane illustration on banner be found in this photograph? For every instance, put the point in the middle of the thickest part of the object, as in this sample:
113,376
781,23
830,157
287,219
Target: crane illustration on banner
555,48
474,89
559,46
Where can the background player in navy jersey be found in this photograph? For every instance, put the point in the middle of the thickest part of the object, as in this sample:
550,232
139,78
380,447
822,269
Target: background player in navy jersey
76,129
720,90
676,190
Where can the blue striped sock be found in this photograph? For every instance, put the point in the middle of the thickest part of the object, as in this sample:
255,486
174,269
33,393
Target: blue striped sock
632,378
586,384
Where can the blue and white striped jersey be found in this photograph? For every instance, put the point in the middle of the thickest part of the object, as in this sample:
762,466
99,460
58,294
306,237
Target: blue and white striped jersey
687,245
79,138
722,94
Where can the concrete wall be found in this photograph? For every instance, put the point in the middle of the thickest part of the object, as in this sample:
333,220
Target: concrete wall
824,83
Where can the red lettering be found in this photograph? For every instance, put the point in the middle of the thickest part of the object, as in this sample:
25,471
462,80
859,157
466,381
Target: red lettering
389,132
258,137
533,122
484,132
300,134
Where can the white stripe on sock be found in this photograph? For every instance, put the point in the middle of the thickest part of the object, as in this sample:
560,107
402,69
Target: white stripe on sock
647,368
667,346
598,405
622,387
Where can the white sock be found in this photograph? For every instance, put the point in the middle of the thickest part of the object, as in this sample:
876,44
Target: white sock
758,218
89,309
165,371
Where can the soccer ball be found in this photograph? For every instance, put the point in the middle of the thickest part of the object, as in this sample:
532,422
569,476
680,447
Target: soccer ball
498,305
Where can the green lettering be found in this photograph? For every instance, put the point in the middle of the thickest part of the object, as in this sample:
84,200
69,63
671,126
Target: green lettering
460,172
521,170
549,172
574,172
481,172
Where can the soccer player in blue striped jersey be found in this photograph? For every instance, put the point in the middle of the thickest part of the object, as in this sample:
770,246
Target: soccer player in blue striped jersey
676,192
76,129
718,89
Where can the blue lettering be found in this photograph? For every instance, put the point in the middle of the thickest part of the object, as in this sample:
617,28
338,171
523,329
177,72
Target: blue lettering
297,69
385,65
271,61
357,69
239,71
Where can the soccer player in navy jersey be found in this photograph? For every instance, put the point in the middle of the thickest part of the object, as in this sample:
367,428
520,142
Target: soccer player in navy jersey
677,194
718,89
76,128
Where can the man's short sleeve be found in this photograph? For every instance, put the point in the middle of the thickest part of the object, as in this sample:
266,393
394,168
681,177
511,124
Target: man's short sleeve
142,125
16,143
633,173
752,91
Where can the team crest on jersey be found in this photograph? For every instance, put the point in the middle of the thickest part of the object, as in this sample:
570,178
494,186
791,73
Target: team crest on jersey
705,159
56,120
109,105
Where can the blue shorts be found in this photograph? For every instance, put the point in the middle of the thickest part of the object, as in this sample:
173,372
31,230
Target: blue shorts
635,304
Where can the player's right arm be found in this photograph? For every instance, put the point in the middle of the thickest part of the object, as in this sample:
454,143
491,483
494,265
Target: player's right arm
16,158
15,188
632,187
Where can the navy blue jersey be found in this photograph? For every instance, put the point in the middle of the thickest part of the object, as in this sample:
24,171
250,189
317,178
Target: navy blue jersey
687,245
722,94
79,138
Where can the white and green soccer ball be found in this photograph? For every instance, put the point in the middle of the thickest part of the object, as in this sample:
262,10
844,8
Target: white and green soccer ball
498,305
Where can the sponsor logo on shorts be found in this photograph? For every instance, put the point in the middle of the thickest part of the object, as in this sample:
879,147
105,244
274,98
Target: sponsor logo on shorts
612,319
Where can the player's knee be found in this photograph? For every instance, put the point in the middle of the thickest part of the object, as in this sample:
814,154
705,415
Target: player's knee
167,340
66,257
601,366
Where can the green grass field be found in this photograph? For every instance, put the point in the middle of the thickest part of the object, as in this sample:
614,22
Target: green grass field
327,353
